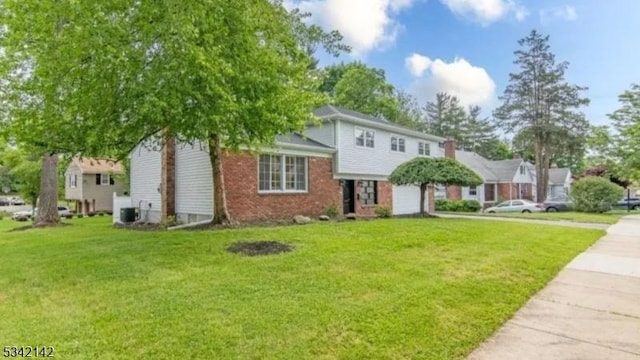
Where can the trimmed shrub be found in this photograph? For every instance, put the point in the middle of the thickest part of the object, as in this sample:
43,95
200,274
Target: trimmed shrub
80,216
383,211
458,205
91,214
594,194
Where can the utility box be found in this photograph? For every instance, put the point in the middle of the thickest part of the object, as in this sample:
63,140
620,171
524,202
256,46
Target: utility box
128,214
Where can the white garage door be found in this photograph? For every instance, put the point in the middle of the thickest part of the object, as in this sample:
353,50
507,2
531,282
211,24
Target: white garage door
406,200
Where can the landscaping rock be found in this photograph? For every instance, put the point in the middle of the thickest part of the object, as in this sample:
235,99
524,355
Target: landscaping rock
350,216
301,220
324,218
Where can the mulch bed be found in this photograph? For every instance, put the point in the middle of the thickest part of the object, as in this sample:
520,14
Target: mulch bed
257,248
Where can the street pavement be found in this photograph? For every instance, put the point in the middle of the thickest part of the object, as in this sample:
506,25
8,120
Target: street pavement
590,311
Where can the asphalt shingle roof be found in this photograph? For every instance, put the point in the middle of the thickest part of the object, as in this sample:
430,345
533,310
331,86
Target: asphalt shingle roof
98,166
297,139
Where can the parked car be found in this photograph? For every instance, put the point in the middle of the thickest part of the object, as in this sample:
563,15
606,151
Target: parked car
517,205
16,201
632,203
28,214
560,204
4,202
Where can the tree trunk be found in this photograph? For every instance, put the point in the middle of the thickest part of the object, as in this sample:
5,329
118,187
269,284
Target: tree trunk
541,192
220,212
48,202
423,189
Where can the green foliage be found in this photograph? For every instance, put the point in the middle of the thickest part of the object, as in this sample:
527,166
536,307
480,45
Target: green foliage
383,211
332,210
458,205
169,221
344,282
627,123
26,169
543,109
594,194
441,171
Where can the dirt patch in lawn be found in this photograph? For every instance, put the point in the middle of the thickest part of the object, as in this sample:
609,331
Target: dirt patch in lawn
257,248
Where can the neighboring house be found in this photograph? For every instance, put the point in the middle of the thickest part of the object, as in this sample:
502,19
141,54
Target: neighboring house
559,183
343,161
502,179
90,183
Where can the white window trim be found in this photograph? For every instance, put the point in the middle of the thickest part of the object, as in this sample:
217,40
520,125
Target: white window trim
426,146
102,179
364,130
475,191
398,137
283,178
73,181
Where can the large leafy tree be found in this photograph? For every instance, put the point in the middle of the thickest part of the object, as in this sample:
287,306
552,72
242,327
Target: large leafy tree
538,103
99,77
426,171
626,121
361,88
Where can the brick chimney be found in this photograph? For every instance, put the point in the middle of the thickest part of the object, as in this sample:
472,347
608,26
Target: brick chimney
168,173
453,192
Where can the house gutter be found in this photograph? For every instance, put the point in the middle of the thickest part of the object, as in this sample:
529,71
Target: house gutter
394,129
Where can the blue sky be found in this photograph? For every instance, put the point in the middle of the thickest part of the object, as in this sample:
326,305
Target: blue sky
466,47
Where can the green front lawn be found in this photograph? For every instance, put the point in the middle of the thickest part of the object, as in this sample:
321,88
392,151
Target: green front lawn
385,289
610,217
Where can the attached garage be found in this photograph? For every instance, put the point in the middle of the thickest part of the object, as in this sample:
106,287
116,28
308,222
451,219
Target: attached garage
406,200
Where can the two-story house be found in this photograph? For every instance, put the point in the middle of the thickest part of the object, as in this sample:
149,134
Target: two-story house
342,162
90,183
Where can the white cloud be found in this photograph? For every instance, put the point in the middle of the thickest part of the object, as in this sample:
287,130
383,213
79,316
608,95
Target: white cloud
365,24
566,13
471,84
487,11
417,64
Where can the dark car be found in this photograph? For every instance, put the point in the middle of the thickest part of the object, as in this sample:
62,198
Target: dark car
554,205
628,203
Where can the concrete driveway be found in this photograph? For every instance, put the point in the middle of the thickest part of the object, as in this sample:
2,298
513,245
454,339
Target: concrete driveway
590,311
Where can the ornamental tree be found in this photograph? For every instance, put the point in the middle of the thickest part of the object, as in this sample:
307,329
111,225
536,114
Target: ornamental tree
97,78
426,171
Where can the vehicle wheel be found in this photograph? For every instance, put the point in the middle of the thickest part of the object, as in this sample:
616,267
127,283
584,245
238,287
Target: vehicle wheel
552,209
636,207
492,212
526,211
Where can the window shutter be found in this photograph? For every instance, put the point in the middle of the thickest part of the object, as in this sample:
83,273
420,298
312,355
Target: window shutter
111,181
97,179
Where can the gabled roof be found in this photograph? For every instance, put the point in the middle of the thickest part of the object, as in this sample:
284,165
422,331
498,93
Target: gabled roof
297,139
97,166
558,176
331,111
478,164
506,169
490,170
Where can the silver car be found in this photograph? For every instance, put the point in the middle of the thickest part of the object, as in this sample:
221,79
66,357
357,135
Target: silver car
517,205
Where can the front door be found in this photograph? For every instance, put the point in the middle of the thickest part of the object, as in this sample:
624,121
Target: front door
348,197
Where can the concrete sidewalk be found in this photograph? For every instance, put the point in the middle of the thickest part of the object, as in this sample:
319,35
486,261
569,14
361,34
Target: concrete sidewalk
590,311
525,220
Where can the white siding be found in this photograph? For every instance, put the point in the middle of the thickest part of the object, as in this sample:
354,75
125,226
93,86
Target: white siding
322,134
522,178
145,182
74,193
194,181
479,193
406,200
377,161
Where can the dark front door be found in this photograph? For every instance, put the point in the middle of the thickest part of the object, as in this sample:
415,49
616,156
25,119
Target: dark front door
348,196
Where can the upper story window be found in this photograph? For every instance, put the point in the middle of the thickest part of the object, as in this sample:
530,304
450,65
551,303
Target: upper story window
365,138
104,179
423,148
398,143
521,169
282,173
73,181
